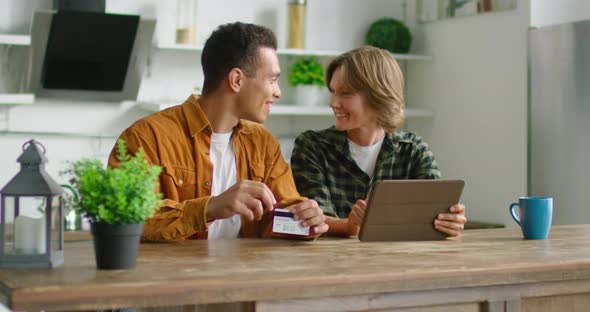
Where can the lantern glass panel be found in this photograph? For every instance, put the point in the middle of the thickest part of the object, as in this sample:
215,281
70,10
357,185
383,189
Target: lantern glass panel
56,223
29,225
8,222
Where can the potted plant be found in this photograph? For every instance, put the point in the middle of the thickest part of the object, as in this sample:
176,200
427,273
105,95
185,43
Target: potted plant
389,34
307,76
116,202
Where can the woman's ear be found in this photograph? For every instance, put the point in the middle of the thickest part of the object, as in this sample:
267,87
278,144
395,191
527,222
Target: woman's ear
236,79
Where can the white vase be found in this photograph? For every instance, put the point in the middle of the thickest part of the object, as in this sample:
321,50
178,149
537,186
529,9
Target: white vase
309,95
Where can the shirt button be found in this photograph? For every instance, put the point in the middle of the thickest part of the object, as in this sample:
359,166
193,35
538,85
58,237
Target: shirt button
180,182
207,183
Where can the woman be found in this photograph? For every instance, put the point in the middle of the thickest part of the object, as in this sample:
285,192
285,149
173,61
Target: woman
338,165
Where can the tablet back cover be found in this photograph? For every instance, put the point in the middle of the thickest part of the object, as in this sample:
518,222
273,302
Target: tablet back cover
404,210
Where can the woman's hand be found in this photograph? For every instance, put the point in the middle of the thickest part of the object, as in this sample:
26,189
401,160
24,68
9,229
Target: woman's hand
356,216
452,223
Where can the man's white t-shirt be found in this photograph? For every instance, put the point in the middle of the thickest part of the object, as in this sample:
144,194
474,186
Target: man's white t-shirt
224,176
365,156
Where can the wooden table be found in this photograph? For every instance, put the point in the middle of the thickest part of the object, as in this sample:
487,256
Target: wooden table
486,270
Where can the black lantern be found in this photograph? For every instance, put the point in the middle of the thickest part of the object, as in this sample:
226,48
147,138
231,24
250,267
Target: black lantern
31,212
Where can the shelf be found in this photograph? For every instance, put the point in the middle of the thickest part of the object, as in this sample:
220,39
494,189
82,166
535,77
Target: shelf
295,110
16,98
156,107
179,47
15,40
293,52
412,57
419,113
328,53
26,40
289,110
59,134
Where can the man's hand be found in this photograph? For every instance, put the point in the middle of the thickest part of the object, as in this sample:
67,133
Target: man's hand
311,215
452,223
356,216
247,198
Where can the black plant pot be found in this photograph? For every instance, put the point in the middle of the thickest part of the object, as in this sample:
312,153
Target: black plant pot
116,245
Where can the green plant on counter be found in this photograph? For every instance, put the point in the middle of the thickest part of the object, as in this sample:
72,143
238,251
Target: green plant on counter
389,34
306,71
123,195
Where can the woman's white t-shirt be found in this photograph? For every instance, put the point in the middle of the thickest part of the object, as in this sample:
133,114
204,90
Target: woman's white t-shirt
365,156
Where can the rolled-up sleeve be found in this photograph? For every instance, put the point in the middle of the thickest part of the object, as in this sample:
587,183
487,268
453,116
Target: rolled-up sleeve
172,220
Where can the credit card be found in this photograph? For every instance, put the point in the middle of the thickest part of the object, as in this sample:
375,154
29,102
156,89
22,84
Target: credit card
283,222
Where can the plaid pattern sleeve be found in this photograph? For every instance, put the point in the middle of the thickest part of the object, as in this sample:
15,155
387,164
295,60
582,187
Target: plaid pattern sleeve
325,171
309,172
424,165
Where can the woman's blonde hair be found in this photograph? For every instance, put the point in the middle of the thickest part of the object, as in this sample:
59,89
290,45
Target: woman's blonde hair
375,73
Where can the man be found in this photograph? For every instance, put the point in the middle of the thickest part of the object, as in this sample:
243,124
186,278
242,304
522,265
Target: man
223,172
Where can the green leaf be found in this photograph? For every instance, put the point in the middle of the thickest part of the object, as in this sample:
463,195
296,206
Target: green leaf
122,195
389,34
306,71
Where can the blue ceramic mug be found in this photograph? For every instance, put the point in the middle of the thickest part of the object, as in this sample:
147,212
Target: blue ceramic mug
534,216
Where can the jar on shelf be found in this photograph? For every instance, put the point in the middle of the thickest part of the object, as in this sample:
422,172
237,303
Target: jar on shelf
296,24
186,16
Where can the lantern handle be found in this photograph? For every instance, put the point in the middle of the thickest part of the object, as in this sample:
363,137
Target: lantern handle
32,141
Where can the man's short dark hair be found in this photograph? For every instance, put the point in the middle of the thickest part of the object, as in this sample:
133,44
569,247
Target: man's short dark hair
230,46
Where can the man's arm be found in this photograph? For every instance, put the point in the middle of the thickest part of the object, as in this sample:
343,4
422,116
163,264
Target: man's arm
173,220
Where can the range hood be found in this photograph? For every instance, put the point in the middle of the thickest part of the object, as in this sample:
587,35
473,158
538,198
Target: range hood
87,55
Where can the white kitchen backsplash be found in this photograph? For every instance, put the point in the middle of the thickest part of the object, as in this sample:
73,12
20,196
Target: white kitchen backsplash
15,16
13,66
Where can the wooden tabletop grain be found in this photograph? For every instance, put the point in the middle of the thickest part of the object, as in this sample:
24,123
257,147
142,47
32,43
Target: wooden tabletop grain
198,272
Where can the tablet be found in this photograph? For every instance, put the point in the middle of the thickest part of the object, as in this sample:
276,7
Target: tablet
404,210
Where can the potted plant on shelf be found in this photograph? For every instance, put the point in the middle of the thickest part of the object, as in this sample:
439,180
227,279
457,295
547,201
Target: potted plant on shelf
307,78
389,34
116,202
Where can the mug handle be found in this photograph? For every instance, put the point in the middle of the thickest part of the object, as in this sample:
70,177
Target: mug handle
511,209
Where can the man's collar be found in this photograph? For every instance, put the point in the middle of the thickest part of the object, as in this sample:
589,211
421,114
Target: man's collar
197,119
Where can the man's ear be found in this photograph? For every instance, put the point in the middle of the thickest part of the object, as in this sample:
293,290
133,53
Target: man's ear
236,79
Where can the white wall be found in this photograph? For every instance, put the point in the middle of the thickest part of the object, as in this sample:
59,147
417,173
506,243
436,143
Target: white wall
331,24
477,85
15,15
551,12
